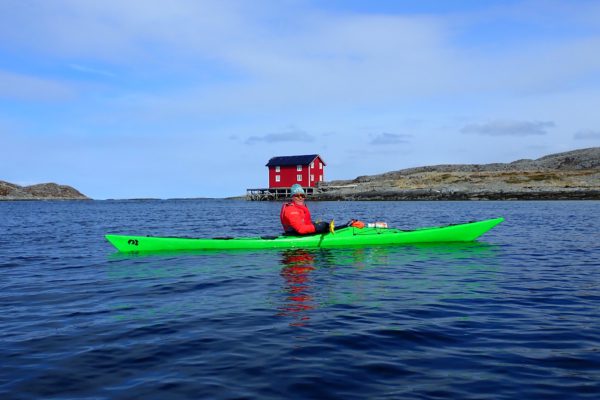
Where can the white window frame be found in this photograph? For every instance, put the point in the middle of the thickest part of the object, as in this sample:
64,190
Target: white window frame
277,178
320,178
320,165
312,178
299,178
312,164
298,167
277,168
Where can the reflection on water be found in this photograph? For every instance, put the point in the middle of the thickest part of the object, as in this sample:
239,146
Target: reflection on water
307,281
297,267
372,277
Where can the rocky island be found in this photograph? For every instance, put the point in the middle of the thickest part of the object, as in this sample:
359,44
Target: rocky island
572,175
42,191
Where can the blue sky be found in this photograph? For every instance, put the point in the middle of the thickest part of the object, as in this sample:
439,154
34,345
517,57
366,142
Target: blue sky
187,98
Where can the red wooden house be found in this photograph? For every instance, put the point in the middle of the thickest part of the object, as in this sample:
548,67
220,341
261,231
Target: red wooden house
306,170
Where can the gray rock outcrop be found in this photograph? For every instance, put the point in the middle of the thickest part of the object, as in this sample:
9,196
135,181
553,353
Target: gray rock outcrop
569,175
42,191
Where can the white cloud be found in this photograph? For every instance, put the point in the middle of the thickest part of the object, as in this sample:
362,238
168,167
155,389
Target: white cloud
325,57
92,71
385,138
509,128
292,135
27,87
587,135
113,30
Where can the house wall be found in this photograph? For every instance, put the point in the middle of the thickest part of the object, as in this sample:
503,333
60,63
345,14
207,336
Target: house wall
288,175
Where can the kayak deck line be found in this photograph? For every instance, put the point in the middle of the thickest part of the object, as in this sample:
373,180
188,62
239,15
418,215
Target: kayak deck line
347,236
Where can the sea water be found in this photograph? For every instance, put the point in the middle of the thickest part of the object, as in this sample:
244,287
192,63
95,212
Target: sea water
514,315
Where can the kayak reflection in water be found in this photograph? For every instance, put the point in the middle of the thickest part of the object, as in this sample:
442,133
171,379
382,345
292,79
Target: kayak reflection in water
295,216
298,264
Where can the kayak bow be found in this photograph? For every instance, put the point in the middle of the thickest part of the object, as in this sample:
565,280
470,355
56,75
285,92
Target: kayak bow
343,237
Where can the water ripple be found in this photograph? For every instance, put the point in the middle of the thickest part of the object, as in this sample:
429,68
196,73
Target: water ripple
513,316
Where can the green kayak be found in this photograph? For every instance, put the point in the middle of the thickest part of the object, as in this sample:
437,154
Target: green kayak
343,237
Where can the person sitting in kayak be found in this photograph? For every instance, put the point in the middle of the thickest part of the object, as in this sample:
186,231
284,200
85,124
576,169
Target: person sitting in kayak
295,216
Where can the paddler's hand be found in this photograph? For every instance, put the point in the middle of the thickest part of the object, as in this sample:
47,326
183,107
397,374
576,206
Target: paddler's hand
321,227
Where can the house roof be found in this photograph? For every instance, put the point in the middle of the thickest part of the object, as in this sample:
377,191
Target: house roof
293,160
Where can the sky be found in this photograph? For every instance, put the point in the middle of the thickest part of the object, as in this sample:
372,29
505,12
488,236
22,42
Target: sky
190,98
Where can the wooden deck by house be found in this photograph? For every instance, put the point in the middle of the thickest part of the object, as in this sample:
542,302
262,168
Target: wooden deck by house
264,194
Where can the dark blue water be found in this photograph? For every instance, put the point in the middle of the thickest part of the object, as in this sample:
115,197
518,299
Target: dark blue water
515,315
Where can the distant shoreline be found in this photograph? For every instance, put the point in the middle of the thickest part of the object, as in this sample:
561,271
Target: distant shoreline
572,175
380,197
44,199
39,192
462,196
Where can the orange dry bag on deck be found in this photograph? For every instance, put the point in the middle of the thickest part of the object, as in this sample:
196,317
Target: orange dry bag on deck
357,224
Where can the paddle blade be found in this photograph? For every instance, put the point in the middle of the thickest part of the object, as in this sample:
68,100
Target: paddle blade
332,227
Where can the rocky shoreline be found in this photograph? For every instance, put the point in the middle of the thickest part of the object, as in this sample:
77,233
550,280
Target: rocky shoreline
43,191
415,195
573,175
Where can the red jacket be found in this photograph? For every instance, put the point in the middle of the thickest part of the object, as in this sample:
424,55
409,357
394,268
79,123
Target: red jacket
296,218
